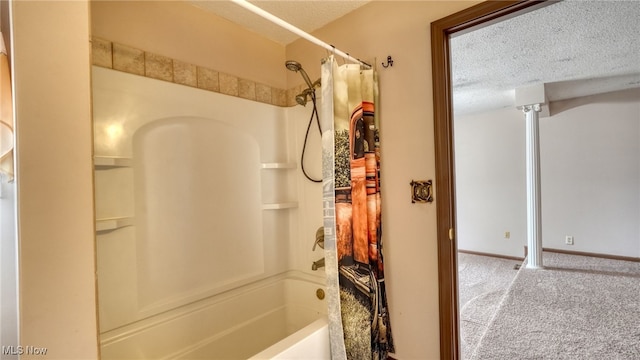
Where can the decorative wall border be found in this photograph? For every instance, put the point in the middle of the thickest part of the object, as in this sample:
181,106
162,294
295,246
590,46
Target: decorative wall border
135,61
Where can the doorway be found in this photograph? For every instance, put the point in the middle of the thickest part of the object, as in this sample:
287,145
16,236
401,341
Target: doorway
441,31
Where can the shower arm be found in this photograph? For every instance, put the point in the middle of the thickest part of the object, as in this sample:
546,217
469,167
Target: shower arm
306,78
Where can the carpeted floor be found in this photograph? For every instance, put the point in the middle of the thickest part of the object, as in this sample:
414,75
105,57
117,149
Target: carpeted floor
482,283
575,308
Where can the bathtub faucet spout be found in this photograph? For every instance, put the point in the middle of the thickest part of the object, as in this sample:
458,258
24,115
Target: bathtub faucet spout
317,264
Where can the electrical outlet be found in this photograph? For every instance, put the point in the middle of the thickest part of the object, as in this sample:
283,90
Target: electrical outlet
568,240
507,234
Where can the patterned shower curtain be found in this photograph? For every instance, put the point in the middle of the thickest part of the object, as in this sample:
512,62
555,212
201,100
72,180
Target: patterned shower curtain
358,313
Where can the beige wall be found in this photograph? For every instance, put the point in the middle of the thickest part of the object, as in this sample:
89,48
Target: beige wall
402,30
573,166
55,178
181,31
54,149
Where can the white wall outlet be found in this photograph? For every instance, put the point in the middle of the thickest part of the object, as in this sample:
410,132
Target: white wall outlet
507,234
568,240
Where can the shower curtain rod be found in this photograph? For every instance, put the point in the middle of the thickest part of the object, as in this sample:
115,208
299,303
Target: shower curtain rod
276,20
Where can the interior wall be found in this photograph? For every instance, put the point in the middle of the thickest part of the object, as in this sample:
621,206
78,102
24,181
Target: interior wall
590,177
181,31
399,29
8,235
591,151
54,175
56,227
490,182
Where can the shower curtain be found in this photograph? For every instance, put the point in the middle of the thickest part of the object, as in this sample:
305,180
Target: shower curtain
358,313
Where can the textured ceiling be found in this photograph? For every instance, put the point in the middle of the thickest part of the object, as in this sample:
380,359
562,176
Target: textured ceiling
304,14
576,48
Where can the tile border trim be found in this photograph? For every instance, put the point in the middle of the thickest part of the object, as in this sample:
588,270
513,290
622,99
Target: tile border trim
121,57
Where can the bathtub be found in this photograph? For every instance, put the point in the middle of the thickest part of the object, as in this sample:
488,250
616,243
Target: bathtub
276,318
310,343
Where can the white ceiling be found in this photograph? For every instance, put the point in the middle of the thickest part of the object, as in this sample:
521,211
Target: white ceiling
304,14
575,47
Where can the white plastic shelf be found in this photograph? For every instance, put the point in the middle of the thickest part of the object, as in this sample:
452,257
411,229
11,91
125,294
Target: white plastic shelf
110,224
111,162
279,165
280,206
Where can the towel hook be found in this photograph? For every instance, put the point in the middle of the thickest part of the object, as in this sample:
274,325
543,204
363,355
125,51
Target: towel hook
389,62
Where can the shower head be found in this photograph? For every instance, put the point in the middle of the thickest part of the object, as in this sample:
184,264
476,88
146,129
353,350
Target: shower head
295,66
302,98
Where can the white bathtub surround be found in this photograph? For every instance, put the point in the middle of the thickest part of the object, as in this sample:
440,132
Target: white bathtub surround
233,325
309,343
200,226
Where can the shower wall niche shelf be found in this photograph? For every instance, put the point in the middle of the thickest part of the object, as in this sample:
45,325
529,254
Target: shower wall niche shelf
113,223
280,206
276,186
278,165
106,162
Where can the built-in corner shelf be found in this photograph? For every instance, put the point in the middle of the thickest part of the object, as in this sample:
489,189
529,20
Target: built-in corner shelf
280,206
278,165
110,224
106,162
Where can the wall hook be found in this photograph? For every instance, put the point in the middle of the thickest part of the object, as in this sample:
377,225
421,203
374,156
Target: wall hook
389,62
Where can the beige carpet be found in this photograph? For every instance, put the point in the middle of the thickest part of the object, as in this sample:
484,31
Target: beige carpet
577,307
482,283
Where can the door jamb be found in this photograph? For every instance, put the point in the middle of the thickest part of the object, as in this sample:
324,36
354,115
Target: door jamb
481,14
